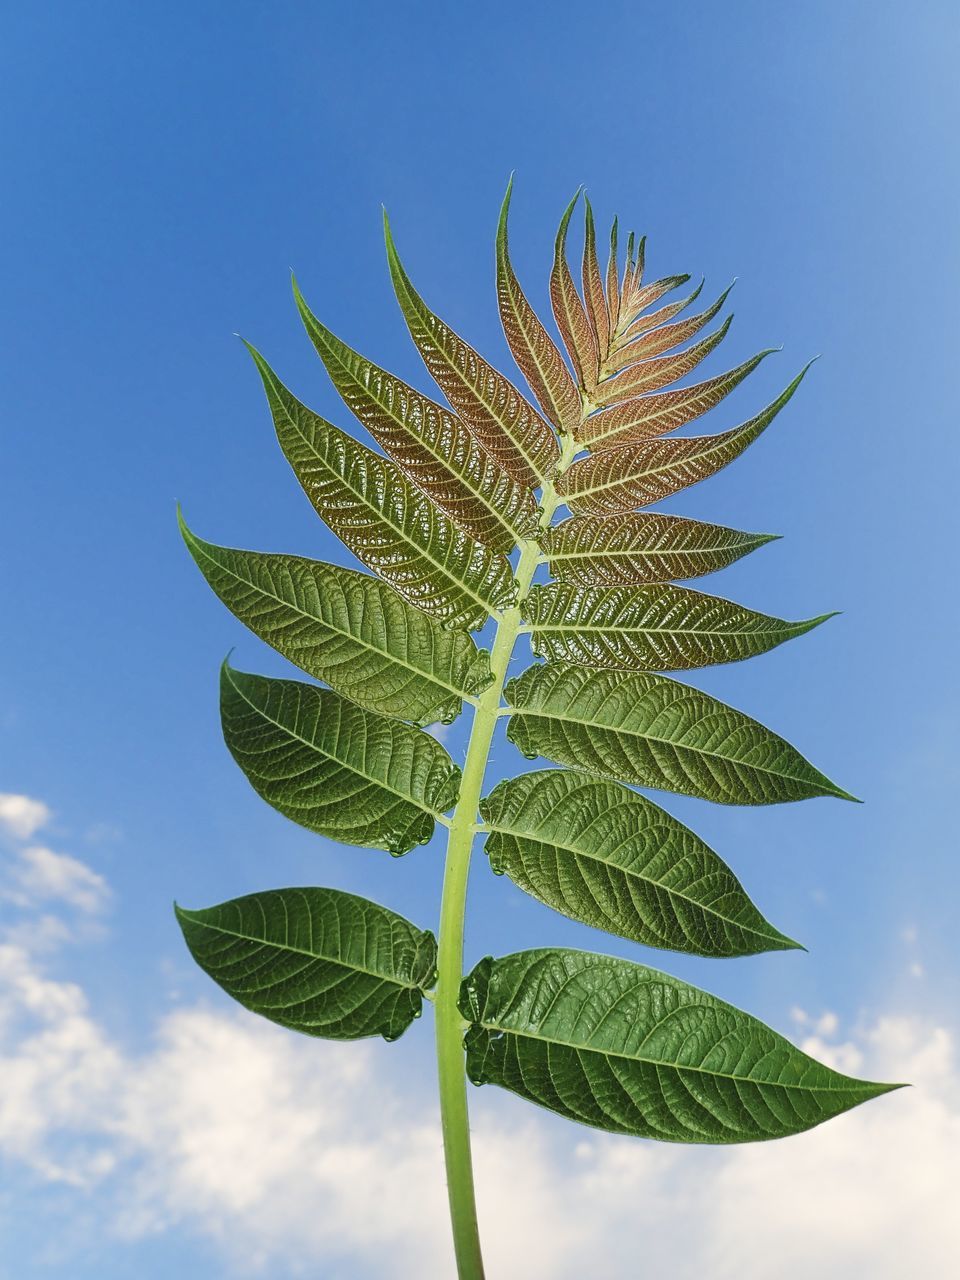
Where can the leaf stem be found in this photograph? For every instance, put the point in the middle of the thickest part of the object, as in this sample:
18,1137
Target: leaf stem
463,828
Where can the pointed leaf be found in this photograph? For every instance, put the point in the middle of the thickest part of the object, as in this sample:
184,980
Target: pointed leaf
655,415
631,1050
432,447
667,336
569,311
388,524
347,629
613,282
533,348
632,323
318,961
502,419
653,732
601,854
616,480
642,546
652,375
593,283
332,767
652,628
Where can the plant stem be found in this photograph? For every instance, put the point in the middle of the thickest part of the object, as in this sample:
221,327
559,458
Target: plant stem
449,1023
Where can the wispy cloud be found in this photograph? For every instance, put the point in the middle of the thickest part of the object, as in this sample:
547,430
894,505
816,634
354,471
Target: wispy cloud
21,816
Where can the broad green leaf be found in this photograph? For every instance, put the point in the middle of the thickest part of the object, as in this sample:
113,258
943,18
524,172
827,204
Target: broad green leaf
319,961
385,521
431,446
659,627
642,546
652,375
347,629
654,732
569,312
602,854
332,767
655,415
667,336
631,1050
533,348
502,419
593,283
615,480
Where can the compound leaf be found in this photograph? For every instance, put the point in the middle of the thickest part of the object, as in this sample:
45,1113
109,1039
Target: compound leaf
319,961
608,857
347,629
533,348
431,446
631,1050
569,312
385,521
657,340
333,767
652,375
502,419
659,627
642,546
615,480
653,732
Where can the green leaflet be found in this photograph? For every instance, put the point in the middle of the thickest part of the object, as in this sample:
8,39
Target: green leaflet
642,546
432,447
387,523
347,629
630,1050
636,475
331,766
659,627
533,348
319,961
653,732
502,419
602,854
593,293
579,336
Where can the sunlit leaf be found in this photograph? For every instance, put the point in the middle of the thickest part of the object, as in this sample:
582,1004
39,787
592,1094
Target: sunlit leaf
632,323
569,312
385,521
652,375
319,961
613,282
631,1050
333,767
430,445
667,336
610,858
642,546
660,627
348,629
501,418
533,348
593,293
653,732
654,415
617,480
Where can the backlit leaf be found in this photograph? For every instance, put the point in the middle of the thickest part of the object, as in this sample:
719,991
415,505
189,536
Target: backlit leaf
667,336
655,415
613,282
652,375
608,857
642,298
319,961
385,521
653,732
593,283
631,1050
616,480
659,627
430,445
347,629
333,767
533,348
569,312
502,419
642,546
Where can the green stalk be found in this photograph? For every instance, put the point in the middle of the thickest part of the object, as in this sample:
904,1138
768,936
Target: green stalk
450,1026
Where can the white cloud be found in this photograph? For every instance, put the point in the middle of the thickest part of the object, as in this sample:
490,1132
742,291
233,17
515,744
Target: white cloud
21,816
302,1157
42,875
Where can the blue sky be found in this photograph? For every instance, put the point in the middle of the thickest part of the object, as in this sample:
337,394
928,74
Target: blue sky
166,167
